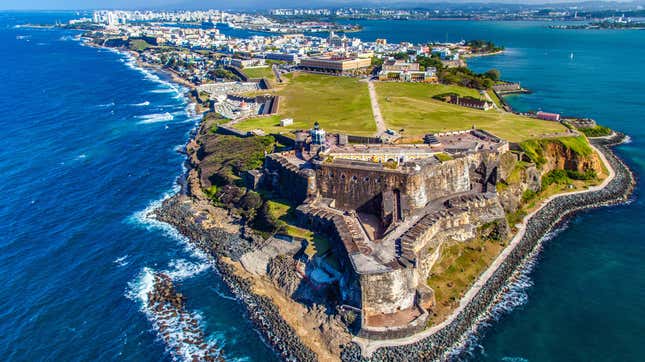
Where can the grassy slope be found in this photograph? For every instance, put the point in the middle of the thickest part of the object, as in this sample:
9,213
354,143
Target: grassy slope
460,265
340,104
410,106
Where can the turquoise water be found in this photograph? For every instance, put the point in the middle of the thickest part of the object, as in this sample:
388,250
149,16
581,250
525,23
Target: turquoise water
89,142
587,299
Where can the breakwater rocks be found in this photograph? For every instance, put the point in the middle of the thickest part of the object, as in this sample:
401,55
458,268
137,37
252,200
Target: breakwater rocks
178,328
437,345
218,244
178,212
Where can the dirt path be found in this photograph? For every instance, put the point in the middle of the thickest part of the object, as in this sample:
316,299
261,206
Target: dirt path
376,110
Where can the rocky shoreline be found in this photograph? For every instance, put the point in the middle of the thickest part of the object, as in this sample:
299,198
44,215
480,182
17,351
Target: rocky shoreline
221,245
439,344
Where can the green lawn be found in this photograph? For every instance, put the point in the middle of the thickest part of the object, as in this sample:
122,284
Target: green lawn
264,72
410,106
339,104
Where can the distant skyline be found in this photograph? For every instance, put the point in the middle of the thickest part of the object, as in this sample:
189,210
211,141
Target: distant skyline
246,4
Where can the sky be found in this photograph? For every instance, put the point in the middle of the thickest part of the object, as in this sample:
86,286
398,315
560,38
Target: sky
220,4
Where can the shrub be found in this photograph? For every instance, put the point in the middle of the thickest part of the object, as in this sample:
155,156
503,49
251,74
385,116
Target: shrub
211,192
598,131
559,177
576,175
443,157
528,195
252,200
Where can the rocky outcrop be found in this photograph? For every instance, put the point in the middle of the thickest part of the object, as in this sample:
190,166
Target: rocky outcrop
332,329
560,157
282,271
176,326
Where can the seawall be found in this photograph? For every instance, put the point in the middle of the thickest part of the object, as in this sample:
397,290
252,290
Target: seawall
436,342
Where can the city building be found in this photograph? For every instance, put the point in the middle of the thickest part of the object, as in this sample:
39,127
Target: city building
398,70
332,65
548,116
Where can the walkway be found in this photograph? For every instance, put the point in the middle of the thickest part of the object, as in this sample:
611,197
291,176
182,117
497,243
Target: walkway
376,110
488,98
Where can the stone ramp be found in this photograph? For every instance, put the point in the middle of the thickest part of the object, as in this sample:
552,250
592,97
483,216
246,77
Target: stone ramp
257,260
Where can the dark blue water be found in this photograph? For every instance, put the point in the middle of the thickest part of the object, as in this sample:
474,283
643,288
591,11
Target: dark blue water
89,142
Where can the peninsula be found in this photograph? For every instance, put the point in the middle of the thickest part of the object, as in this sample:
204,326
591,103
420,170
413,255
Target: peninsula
363,200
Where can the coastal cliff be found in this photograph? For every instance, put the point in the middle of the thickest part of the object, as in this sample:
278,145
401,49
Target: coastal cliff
523,173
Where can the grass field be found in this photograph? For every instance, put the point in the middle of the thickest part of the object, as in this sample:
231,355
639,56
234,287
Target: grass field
410,106
264,72
339,104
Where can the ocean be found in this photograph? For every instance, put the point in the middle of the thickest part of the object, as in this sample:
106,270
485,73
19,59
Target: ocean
90,144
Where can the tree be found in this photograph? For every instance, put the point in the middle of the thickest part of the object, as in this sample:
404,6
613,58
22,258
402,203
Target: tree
493,74
252,200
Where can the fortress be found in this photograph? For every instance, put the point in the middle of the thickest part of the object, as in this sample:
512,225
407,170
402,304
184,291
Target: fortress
387,208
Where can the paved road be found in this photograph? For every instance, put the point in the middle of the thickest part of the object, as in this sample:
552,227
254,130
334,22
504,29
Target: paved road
376,110
488,98
276,71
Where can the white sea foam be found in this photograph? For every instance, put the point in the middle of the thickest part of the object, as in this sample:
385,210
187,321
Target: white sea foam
146,219
627,139
514,359
142,104
183,269
156,118
121,261
168,87
106,105
173,328
68,38
162,90
222,294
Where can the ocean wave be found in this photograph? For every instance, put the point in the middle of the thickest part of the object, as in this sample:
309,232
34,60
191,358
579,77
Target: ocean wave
627,139
142,104
162,90
156,118
106,105
183,269
121,261
190,110
514,359
222,294
168,87
146,219
69,38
